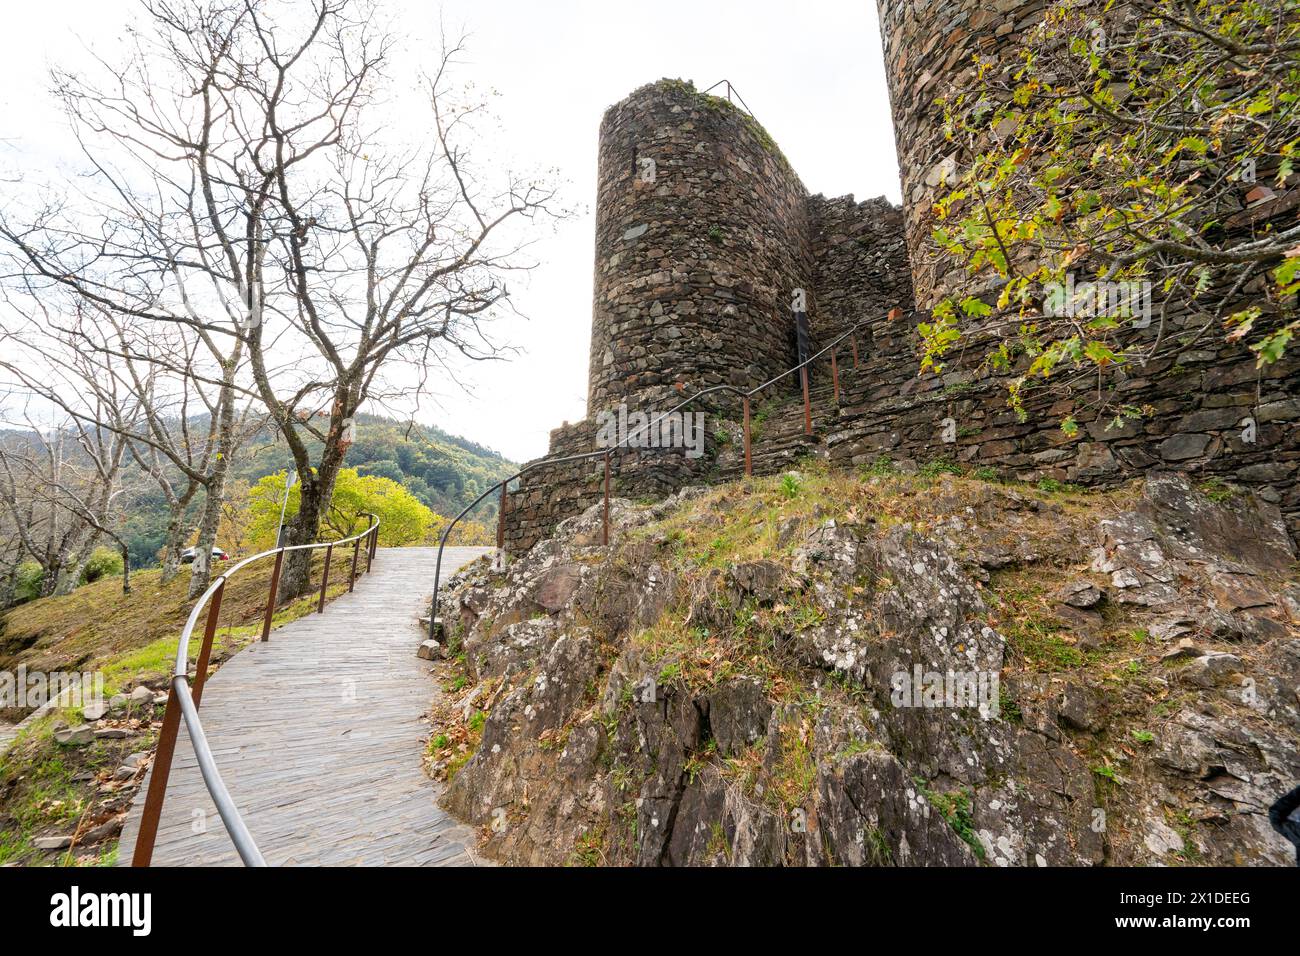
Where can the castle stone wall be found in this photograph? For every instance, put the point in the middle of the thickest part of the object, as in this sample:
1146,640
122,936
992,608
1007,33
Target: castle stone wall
860,263
1202,405
929,46
694,273
695,269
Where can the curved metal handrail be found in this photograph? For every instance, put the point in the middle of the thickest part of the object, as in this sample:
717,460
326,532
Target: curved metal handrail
183,701
621,446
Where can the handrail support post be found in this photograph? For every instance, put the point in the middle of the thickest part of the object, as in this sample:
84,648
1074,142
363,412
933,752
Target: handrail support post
807,403
205,650
325,578
271,596
157,792
501,517
605,536
749,464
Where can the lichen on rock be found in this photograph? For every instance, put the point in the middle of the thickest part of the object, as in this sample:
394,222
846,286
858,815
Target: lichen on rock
881,669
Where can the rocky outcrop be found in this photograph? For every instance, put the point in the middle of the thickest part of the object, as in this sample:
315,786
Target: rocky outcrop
889,671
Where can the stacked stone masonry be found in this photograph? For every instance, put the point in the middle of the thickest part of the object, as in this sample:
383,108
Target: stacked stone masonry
703,234
695,269
929,48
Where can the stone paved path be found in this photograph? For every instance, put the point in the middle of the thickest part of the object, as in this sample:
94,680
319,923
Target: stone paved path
317,736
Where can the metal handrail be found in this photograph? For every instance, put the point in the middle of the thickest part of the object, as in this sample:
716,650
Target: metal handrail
184,699
623,446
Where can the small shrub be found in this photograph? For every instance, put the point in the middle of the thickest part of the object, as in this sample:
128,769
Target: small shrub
940,466
1216,490
104,563
28,585
882,467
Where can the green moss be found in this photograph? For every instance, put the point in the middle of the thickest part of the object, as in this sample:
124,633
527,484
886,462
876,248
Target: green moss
1217,490
955,808
855,747
1039,642
939,466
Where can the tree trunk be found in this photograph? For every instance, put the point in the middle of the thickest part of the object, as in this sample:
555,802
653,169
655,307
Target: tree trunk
9,586
126,568
214,492
201,569
313,500
174,542
67,577
49,580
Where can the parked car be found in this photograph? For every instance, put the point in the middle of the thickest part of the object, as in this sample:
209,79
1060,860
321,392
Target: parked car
187,556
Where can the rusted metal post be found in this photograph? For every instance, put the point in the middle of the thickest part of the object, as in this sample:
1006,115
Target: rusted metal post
854,340
270,598
356,553
374,543
807,404
749,464
325,579
835,376
162,766
205,650
501,517
606,532
370,550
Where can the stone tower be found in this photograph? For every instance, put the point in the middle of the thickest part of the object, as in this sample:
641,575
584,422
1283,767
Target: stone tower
701,237
929,46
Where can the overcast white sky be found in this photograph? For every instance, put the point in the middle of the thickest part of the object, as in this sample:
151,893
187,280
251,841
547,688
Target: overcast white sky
811,71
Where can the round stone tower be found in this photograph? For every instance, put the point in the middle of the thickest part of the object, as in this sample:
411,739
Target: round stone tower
701,238
928,54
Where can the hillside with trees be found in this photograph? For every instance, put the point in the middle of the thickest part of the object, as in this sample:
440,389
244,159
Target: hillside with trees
441,472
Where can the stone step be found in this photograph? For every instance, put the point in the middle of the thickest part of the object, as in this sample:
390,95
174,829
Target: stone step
780,437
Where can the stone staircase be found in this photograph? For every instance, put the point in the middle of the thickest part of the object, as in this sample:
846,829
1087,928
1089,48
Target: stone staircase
778,437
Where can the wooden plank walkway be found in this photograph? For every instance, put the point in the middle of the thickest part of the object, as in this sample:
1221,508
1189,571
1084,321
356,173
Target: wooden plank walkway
317,736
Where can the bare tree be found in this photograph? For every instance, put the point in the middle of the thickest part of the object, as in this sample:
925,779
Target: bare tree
155,388
256,169
60,488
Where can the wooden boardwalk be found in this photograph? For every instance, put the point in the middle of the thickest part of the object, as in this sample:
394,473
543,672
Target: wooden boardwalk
318,738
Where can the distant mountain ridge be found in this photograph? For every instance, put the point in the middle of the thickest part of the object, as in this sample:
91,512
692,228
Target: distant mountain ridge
446,472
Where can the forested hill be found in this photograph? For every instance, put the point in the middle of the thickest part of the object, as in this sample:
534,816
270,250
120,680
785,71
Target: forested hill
444,471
